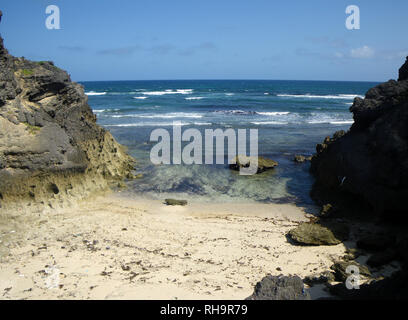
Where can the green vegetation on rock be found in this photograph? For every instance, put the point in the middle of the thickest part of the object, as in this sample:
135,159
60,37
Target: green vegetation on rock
32,129
27,72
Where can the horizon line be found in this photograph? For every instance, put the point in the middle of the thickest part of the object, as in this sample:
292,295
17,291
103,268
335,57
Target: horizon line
368,81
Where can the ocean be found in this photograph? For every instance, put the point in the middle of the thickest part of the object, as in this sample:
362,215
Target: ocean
291,118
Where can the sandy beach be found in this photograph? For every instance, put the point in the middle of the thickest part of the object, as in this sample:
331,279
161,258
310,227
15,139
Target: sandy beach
113,247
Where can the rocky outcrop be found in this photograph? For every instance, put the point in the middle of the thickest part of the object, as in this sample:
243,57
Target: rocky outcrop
280,288
313,234
364,172
403,71
369,163
263,164
50,145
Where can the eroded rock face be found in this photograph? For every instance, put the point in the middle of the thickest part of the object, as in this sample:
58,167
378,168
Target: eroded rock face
370,161
50,144
280,288
403,72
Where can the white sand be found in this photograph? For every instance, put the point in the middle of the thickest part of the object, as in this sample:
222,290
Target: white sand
146,250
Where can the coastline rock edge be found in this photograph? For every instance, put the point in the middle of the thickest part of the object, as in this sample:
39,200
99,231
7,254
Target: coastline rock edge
51,149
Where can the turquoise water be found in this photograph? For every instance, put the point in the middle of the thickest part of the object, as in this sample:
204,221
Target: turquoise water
291,117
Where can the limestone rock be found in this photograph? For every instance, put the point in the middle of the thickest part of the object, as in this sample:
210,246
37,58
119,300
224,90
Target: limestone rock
314,234
245,161
50,145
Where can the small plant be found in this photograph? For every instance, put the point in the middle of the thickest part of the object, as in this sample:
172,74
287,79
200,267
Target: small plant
27,72
32,129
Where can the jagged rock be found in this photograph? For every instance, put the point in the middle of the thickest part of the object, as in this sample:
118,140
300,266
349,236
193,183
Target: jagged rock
245,161
174,202
340,269
314,234
280,288
367,165
50,144
403,71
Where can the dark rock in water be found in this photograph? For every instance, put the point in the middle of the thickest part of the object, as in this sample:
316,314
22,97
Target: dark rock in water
403,71
174,202
314,234
301,159
367,166
379,259
244,162
50,145
340,270
280,288
376,242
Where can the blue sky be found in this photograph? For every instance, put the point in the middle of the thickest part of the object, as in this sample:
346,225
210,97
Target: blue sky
223,39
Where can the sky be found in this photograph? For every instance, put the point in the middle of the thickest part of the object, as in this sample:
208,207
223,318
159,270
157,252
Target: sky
211,39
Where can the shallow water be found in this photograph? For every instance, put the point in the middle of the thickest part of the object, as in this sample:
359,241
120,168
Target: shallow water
291,117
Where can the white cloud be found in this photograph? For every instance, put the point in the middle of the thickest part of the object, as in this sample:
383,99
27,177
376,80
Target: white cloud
362,53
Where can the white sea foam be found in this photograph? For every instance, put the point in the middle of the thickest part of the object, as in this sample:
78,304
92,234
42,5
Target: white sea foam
147,124
104,110
342,122
276,113
93,93
269,123
309,96
230,94
140,98
168,91
160,116
194,98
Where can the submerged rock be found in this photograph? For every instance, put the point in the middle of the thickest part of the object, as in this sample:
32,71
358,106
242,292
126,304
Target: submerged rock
244,162
50,145
301,159
314,234
280,288
174,202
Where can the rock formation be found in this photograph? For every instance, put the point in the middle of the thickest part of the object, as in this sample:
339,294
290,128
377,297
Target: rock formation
369,163
403,71
280,288
263,164
50,145
365,172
